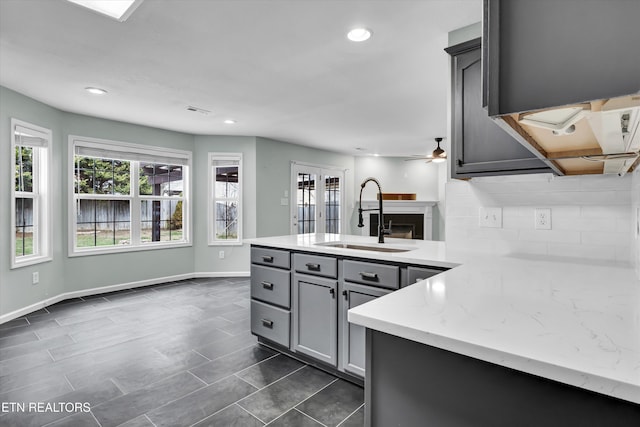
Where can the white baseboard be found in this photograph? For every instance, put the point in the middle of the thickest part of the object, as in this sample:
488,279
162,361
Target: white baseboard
112,288
206,274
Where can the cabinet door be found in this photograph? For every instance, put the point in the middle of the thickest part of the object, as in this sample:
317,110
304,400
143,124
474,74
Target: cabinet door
479,146
543,54
315,318
352,343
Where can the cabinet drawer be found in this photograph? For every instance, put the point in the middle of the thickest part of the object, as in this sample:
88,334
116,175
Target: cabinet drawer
385,276
317,265
271,257
271,285
270,322
416,274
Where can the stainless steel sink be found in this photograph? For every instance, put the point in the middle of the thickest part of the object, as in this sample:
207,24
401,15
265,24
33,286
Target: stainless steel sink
359,247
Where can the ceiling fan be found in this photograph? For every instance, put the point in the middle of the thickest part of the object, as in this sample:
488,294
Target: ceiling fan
437,156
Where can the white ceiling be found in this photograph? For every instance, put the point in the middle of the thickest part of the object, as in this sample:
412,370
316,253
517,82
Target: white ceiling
282,68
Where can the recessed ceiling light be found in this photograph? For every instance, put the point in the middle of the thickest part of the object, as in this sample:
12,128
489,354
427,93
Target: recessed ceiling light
95,90
229,122
117,9
359,34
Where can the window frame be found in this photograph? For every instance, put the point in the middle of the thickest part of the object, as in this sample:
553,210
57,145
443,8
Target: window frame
137,154
41,189
211,199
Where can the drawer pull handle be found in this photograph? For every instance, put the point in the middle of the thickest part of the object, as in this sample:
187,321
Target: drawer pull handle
267,323
367,275
345,294
267,258
313,267
267,285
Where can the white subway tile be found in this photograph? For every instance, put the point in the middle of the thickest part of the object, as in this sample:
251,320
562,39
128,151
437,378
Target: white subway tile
624,254
583,224
605,212
559,236
604,238
606,253
602,182
493,234
520,247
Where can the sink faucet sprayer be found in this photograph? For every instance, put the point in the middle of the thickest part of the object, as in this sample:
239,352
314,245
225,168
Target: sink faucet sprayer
381,230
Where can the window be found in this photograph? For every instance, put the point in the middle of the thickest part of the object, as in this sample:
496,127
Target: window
319,199
128,197
30,201
225,205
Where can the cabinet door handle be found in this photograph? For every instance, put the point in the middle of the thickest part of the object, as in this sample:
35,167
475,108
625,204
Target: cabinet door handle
345,294
267,258
332,292
267,323
367,275
313,267
267,285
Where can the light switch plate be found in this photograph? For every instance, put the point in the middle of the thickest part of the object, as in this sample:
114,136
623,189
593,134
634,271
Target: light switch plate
491,217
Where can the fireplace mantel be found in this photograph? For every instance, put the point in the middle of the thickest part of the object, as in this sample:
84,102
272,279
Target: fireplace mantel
402,207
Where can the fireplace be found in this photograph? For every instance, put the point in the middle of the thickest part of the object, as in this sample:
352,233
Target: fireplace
411,219
403,226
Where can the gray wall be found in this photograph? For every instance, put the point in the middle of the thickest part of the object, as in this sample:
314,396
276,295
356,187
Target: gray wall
273,178
266,165
16,289
65,274
236,258
103,270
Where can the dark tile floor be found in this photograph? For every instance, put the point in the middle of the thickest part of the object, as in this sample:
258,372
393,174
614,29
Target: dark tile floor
176,354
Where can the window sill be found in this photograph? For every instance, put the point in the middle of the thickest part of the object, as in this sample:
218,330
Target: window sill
223,243
121,249
30,261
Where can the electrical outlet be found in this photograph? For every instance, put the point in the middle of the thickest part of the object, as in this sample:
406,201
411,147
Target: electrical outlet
221,254
35,278
491,217
543,219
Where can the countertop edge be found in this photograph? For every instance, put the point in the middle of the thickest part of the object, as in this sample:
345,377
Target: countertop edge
598,384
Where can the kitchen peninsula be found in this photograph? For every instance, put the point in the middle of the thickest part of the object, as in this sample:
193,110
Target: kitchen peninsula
494,340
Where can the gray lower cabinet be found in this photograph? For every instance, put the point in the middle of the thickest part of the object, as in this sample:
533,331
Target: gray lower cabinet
315,318
301,302
352,337
271,322
271,295
417,274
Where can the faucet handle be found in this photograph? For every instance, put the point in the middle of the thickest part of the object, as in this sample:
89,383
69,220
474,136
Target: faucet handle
387,230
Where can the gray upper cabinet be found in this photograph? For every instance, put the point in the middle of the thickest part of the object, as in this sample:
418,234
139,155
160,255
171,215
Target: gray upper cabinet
540,54
479,146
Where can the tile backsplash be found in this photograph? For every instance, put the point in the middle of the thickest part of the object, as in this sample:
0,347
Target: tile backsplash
635,219
590,216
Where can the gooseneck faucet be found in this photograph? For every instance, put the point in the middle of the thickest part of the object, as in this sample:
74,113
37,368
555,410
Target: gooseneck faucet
381,229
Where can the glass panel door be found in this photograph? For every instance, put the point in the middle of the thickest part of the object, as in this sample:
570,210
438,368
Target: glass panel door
332,203
306,202
317,195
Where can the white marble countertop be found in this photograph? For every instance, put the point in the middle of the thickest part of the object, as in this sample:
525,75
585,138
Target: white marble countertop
576,323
